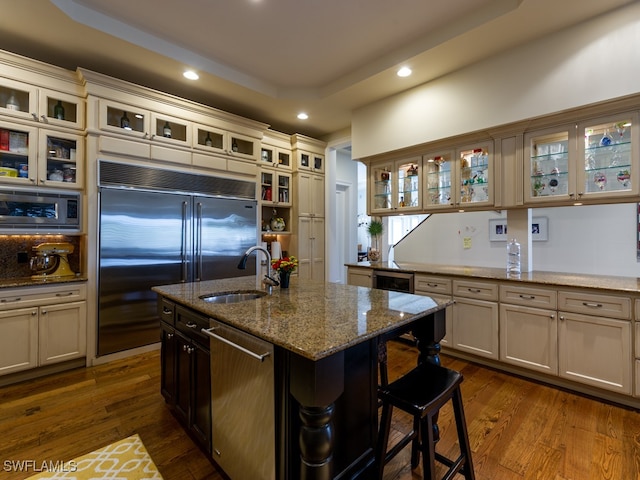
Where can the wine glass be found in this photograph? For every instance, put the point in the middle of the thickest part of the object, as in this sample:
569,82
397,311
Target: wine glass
621,128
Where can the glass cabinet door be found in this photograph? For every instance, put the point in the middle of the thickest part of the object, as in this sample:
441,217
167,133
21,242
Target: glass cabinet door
124,119
170,130
18,99
381,178
475,179
18,154
549,167
275,188
439,177
607,154
408,193
60,160
209,138
60,109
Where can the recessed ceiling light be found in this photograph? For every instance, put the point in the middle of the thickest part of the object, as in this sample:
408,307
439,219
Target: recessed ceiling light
404,72
191,75
303,116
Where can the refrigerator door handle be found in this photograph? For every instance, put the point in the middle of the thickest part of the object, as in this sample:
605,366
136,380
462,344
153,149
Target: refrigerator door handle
198,239
184,252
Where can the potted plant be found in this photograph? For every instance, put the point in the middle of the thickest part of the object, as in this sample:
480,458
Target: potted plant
375,229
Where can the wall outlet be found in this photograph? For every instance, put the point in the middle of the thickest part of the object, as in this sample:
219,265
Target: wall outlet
23,257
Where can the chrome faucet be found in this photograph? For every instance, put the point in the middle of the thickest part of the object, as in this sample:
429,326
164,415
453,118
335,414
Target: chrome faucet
267,282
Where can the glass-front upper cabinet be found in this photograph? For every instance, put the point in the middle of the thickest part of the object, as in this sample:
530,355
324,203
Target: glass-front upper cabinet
395,186
45,106
475,177
275,187
549,172
608,156
313,162
209,139
275,157
439,175
124,119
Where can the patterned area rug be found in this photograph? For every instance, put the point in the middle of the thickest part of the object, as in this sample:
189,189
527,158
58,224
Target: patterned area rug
123,460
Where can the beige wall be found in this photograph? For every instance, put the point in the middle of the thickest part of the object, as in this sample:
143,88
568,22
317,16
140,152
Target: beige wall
589,63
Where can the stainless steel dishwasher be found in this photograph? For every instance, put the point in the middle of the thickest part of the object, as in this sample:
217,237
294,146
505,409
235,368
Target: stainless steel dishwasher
242,403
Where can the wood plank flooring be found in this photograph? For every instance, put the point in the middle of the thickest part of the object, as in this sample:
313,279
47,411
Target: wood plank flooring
518,429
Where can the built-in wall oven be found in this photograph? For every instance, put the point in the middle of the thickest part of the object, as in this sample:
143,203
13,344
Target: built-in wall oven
395,281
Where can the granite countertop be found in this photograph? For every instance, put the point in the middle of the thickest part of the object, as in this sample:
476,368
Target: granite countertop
29,282
311,319
557,279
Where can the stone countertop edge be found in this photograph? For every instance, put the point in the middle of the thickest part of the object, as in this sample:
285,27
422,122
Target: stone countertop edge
29,282
311,319
557,279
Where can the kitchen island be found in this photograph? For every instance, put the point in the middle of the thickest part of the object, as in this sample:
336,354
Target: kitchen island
325,341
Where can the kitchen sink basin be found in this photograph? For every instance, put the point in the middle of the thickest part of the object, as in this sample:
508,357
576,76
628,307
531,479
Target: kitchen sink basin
233,297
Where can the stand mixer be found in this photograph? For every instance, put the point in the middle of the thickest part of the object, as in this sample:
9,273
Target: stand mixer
50,261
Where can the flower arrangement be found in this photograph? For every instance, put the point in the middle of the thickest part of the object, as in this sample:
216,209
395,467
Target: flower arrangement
285,264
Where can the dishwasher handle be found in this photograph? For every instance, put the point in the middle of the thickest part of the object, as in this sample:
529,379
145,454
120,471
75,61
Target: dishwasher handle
258,356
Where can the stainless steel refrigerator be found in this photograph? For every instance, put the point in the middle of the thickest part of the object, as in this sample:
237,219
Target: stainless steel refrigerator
152,238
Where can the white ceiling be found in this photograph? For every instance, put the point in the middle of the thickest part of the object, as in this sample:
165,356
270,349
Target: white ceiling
270,59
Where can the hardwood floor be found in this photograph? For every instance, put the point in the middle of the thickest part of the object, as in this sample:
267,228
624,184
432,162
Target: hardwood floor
518,429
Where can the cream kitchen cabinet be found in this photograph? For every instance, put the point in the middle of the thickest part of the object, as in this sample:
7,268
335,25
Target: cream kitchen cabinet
309,194
38,156
437,288
529,328
275,151
395,186
590,161
475,318
275,188
360,277
41,326
637,347
44,106
309,161
594,340
310,240
459,178
224,142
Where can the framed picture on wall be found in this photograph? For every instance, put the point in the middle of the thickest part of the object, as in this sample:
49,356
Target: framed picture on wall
498,229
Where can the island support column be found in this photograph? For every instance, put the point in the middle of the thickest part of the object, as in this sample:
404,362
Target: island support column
316,386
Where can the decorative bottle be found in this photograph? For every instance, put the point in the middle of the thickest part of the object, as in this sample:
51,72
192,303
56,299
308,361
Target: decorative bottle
207,141
124,121
58,111
12,102
166,130
513,257
234,145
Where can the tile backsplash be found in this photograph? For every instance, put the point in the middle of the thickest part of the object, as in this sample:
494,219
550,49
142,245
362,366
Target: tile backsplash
12,246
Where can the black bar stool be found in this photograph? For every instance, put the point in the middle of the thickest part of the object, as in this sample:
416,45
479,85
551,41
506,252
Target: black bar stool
421,393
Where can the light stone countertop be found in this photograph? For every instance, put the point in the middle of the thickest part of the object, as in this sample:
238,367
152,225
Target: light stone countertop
557,279
311,319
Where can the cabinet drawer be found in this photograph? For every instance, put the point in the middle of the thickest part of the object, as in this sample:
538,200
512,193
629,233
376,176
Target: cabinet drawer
529,297
36,296
124,147
479,290
594,304
167,311
427,284
637,339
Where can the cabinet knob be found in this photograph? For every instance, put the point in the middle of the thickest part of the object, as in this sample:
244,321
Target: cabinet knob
169,336
562,317
44,312
35,116
44,118
34,313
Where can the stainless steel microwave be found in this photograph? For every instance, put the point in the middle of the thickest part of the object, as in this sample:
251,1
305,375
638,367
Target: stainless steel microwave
37,210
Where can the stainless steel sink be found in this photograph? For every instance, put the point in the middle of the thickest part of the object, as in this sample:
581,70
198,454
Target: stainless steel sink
233,297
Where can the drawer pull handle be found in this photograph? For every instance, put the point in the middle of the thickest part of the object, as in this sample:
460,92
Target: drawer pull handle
258,356
474,290
191,325
64,294
10,300
433,285
166,311
592,305
527,297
